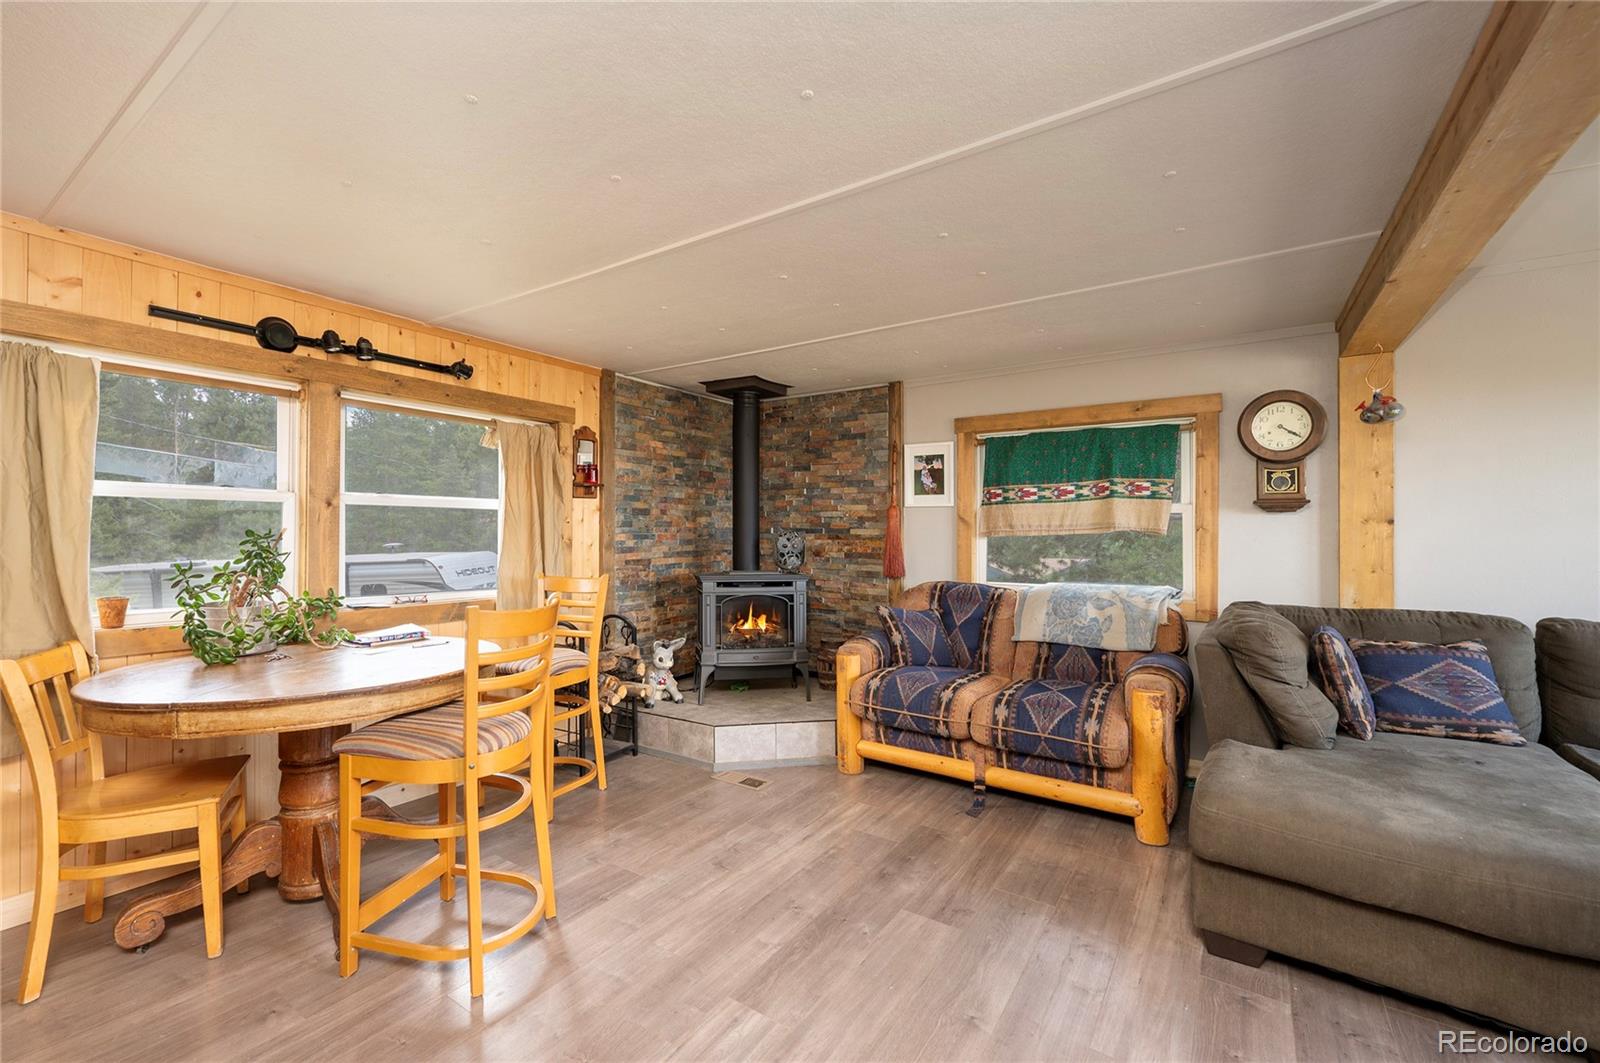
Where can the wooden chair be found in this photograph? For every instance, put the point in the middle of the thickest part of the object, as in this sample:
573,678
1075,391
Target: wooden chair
200,795
582,618
472,743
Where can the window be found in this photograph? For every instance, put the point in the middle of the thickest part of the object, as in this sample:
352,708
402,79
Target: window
421,505
182,470
1105,557
1186,557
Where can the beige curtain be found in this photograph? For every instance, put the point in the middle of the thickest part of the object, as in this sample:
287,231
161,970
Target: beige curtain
49,407
533,509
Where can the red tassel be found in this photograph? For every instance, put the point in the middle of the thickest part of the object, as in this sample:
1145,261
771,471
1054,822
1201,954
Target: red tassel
894,555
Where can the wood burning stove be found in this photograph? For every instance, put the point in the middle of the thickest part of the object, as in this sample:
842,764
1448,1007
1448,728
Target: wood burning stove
752,623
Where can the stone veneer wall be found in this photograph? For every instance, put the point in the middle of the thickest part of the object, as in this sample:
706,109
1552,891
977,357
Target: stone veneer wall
825,472
673,504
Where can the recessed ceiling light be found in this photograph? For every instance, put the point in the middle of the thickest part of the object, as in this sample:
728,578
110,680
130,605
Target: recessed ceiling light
983,273
347,182
1170,173
616,177
1180,228
783,276
470,98
835,305
663,306
943,236
722,328
814,369
1038,330
1197,302
486,241
806,94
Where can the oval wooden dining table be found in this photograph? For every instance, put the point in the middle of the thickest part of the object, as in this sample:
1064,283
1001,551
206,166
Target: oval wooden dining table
309,697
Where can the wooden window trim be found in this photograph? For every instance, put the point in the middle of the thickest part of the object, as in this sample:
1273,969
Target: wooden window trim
65,326
319,387
110,364
1204,410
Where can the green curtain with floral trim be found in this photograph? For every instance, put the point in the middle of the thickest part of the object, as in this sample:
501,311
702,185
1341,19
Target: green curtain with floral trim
1088,480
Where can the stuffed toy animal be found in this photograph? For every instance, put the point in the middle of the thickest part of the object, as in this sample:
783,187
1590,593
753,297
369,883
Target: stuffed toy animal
660,680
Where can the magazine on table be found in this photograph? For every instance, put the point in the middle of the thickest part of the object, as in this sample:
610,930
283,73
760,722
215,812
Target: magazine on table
390,636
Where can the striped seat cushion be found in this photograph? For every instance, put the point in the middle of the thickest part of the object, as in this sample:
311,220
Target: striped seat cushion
564,659
433,734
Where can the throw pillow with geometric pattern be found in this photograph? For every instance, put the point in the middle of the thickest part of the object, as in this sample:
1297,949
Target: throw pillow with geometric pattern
916,637
1342,682
1442,691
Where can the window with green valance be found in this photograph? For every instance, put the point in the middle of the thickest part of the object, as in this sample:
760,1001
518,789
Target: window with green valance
1086,480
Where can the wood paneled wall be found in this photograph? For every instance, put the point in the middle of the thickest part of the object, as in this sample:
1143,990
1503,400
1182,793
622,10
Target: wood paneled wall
46,266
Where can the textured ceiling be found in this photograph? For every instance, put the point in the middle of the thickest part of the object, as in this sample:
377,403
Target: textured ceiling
826,194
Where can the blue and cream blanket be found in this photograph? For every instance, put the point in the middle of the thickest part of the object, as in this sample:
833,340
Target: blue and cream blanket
1106,616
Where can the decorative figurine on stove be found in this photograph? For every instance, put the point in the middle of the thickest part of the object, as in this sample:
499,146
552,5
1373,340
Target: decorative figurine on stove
660,680
790,548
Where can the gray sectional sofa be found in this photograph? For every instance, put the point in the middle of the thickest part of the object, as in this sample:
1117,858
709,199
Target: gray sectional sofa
1460,871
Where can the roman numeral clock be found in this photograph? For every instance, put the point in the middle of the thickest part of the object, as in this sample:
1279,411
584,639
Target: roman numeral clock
1281,429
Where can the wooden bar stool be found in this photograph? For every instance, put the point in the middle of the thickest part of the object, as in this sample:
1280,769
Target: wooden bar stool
583,614
472,743
201,795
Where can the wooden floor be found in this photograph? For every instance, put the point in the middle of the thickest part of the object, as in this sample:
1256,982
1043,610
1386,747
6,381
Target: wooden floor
821,917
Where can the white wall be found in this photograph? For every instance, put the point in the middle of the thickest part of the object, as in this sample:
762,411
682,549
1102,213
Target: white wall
1275,557
1497,462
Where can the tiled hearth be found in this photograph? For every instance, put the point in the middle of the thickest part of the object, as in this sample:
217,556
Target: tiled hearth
769,725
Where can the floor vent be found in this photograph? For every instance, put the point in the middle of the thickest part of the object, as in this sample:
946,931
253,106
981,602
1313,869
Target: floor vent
739,778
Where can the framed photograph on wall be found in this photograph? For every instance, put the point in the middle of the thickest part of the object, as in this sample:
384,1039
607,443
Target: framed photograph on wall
930,474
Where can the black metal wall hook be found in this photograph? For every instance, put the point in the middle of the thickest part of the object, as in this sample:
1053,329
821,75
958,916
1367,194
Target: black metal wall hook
277,334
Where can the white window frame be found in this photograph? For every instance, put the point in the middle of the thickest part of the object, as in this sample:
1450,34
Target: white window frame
373,498
1182,506
287,461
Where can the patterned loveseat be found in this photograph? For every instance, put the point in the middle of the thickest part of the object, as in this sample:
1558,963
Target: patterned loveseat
1085,726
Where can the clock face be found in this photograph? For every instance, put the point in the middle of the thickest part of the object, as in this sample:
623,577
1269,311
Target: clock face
1281,426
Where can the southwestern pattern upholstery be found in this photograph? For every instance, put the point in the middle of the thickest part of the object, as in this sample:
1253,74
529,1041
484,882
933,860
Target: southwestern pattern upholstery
916,637
433,734
933,701
1342,682
1441,691
1080,723
1054,712
914,740
964,608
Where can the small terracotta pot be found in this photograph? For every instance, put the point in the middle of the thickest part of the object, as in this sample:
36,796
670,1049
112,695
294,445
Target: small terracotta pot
113,611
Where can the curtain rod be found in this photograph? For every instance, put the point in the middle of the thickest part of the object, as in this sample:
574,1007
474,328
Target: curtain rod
1180,421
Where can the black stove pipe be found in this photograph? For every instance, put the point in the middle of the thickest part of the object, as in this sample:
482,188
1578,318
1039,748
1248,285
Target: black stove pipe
746,481
746,393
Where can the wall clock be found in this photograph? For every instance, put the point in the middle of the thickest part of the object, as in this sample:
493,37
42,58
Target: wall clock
1281,429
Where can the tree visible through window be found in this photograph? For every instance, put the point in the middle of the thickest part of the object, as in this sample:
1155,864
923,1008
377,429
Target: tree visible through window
421,505
1105,557
182,470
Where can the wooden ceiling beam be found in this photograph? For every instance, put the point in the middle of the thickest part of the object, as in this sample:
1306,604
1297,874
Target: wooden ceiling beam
1530,87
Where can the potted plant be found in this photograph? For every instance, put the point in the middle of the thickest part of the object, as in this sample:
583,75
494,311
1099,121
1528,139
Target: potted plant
243,608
